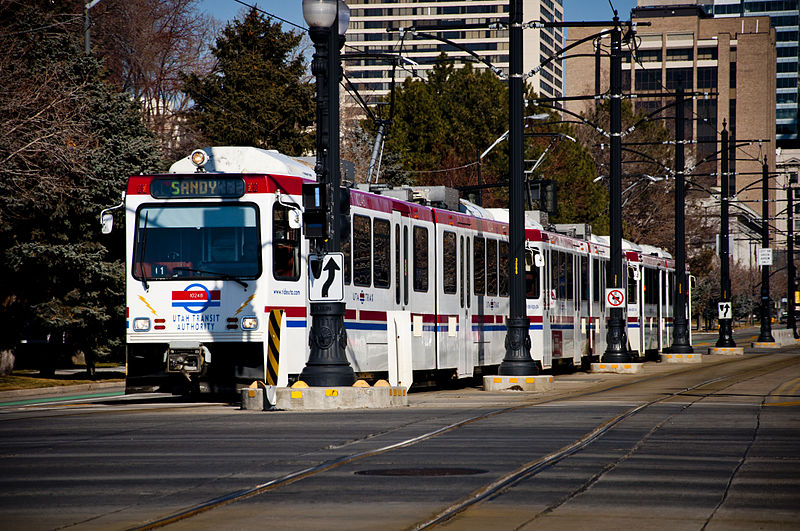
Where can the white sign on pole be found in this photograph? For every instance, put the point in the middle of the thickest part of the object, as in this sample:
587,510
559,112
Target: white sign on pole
329,285
724,310
765,257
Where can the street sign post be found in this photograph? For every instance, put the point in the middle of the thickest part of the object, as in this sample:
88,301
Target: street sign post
724,310
326,283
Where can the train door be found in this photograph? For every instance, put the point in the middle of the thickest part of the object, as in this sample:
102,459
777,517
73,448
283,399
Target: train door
418,288
465,365
634,314
448,308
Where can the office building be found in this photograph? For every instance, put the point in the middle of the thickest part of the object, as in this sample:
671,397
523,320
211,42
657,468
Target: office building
370,20
783,16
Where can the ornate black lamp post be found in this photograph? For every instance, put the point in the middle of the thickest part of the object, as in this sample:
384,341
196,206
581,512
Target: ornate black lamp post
517,361
327,363
680,339
766,325
726,313
791,321
616,337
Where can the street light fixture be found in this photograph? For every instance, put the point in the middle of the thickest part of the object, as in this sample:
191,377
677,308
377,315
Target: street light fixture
327,362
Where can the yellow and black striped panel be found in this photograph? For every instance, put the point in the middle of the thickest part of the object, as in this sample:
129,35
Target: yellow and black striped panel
274,346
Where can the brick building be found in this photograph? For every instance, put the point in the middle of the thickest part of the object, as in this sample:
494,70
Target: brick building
732,60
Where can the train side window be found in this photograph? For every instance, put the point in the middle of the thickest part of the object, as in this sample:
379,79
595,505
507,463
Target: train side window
362,251
449,276
285,245
347,251
562,275
503,266
479,265
381,251
672,287
632,286
405,265
467,276
491,267
397,268
532,276
603,280
585,278
554,272
596,278
420,259
461,272
570,274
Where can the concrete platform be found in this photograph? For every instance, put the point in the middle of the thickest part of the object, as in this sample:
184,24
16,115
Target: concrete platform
323,398
727,351
766,344
536,384
619,368
682,358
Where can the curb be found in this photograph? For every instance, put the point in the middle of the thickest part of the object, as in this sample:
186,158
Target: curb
61,390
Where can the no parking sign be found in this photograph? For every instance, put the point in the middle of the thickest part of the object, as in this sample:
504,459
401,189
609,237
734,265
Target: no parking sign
615,297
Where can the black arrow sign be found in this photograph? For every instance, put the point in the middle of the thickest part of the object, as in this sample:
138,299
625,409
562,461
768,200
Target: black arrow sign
331,268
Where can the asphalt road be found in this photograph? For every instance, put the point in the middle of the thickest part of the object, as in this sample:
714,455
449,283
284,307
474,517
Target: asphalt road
702,446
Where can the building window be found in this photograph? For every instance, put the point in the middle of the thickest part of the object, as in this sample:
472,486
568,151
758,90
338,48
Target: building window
707,77
648,80
706,54
679,76
680,54
648,56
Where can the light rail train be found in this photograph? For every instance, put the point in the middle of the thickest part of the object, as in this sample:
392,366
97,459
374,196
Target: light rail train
213,248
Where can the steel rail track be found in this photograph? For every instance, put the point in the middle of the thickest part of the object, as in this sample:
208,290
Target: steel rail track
494,487
506,482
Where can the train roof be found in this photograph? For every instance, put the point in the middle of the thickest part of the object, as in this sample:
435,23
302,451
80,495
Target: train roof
246,159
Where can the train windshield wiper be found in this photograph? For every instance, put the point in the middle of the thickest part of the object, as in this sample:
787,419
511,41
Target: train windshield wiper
223,276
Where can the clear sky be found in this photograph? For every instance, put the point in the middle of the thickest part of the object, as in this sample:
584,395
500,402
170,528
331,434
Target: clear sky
291,10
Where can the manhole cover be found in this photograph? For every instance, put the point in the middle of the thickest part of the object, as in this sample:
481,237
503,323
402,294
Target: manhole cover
437,471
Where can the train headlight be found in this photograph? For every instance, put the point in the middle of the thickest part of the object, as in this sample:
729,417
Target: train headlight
141,324
199,158
249,323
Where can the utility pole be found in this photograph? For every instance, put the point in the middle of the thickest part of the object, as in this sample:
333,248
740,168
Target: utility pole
680,337
517,361
616,337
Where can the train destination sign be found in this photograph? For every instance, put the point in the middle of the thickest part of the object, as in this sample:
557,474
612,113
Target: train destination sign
173,188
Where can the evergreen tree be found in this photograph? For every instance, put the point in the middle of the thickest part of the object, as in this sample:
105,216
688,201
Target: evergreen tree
256,95
446,121
69,142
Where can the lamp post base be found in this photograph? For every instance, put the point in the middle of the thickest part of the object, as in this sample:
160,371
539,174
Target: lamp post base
327,363
518,361
725,334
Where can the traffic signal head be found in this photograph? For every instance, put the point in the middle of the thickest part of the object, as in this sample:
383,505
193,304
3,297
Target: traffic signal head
315,215
549,197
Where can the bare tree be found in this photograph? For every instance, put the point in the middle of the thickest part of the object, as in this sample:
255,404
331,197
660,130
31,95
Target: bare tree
145,44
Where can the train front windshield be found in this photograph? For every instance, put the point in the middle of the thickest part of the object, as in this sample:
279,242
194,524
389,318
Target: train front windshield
213,241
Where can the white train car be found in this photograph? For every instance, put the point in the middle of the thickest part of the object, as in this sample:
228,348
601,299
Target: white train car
214,246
